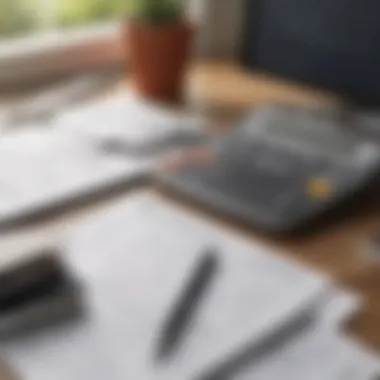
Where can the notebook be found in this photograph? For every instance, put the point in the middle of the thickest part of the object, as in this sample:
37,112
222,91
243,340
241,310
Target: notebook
41,170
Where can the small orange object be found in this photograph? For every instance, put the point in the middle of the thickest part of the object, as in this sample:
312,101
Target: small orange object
320,188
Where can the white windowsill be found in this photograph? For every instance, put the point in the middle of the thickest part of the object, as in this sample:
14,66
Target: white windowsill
58,52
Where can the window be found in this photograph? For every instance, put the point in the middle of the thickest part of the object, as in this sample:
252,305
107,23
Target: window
42,38
39,38
21,17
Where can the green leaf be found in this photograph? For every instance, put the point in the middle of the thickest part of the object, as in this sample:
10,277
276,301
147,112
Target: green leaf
155,11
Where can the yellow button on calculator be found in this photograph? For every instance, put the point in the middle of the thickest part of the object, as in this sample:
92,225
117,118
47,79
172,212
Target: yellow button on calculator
319,188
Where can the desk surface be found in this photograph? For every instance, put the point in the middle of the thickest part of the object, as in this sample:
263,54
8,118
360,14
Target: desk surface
224,92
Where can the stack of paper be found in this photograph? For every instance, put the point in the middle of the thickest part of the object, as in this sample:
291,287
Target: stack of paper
264,317
41,169
133,127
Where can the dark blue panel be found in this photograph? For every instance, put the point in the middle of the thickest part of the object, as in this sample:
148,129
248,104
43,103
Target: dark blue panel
332,43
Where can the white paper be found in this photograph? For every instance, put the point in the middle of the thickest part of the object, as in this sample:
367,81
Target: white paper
137,127
322,352
134,261
319,354
39,168
340,306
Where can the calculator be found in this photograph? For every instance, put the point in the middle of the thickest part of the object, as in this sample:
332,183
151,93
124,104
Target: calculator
281,168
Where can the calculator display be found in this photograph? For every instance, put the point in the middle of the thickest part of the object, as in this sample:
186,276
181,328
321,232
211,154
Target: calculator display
318,138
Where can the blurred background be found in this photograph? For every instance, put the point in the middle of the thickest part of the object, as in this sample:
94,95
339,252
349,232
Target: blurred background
21,17
92,103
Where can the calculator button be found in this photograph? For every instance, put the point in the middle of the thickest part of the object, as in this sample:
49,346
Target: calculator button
319,188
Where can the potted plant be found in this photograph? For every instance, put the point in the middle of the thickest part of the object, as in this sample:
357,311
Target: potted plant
158,39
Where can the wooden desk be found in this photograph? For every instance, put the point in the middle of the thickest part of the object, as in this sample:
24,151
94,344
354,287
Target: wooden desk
224,92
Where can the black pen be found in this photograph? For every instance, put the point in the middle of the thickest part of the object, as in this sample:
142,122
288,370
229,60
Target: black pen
184,309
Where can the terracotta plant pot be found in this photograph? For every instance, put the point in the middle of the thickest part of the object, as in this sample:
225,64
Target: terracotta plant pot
157,57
